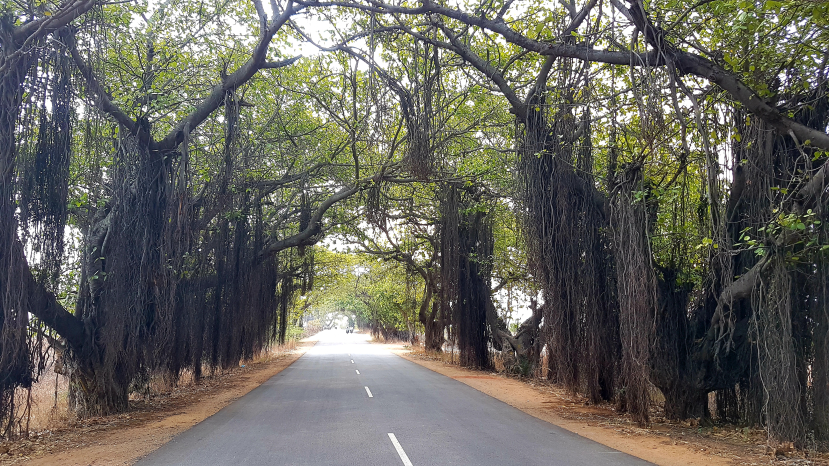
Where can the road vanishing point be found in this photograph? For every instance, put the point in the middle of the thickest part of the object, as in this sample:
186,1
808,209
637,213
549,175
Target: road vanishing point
379,410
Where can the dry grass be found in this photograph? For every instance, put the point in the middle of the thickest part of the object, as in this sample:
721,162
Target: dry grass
448,356
386,341
47,401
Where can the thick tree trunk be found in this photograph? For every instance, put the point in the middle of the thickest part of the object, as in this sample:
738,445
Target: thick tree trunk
684,401
93,394
673,370
433,329
473,292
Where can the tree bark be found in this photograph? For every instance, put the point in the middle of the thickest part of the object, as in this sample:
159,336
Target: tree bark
433,327
684,401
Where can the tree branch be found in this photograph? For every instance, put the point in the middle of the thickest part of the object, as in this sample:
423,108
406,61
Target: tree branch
306,236
272,65
44,305
102,99
32,31
239,77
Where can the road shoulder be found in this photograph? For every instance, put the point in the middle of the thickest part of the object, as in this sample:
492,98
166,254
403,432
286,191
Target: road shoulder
124,439
661,445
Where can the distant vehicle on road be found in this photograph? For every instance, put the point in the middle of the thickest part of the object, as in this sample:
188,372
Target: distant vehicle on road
349,329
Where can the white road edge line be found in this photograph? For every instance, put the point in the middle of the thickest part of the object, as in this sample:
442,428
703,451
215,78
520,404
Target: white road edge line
358,372
369,393
400,451
352,361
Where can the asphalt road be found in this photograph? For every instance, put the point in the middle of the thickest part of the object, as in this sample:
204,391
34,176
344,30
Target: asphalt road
348,402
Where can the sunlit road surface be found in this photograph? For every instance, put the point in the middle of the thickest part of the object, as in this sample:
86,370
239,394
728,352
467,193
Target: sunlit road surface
348,402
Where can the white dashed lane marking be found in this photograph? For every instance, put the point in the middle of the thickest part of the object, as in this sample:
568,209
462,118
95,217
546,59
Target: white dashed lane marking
400,451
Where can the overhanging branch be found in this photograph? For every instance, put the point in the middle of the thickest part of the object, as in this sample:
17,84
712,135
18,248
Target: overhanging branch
686,62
